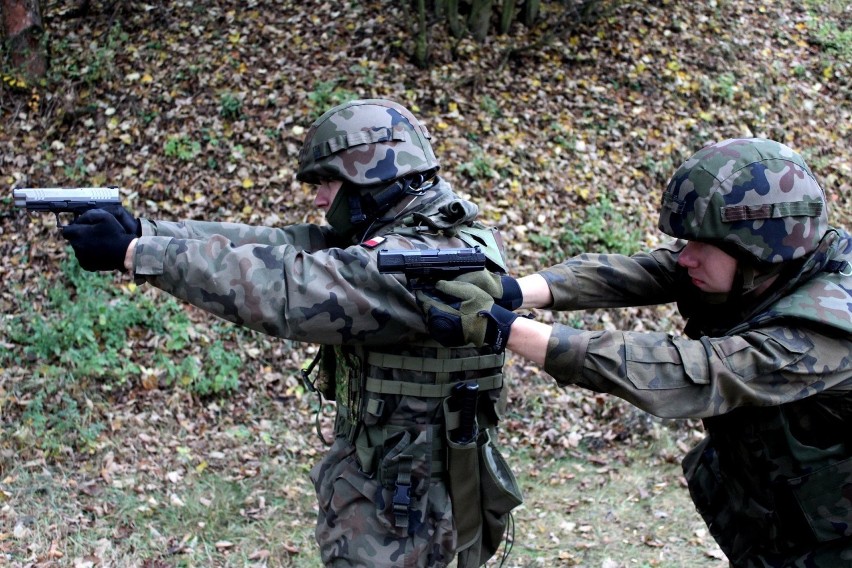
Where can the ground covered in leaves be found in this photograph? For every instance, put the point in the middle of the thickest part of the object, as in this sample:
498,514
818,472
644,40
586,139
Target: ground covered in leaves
564,137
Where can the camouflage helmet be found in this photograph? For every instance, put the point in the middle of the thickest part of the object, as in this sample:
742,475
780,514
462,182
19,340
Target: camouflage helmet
750,196
365,143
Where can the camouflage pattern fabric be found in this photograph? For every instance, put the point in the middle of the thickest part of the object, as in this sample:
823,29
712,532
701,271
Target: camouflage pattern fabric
365,142
293,282
756,195
285,281
775,391
352,534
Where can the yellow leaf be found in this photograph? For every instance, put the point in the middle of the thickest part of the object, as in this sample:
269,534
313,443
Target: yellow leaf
201,467
146,78
247,183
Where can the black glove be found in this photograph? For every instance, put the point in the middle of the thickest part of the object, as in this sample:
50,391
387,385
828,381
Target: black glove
460,313
131,224
99,240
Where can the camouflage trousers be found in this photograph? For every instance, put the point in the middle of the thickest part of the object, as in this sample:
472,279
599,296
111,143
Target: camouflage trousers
355,520
837,553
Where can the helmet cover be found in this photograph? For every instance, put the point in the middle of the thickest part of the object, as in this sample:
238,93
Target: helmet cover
365,143
753,194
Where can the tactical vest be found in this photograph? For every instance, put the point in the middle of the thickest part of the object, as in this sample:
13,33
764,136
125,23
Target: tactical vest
775,483
394,407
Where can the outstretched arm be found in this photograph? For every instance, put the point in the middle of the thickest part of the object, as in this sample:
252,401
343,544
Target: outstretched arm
535,291
529,339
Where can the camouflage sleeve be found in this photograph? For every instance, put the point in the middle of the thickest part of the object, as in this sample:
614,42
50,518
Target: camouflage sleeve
305,236
612,280
330,296
675,377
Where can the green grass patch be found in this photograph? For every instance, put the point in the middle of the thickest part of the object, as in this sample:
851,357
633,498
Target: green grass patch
213,518
603,229
90,337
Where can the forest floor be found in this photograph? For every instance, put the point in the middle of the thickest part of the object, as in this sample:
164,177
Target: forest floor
114,452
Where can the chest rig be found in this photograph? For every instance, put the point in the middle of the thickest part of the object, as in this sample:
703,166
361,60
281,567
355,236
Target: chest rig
394,406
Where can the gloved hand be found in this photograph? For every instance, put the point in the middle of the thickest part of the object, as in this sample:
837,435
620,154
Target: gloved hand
131,224
99,240
504,289
461,313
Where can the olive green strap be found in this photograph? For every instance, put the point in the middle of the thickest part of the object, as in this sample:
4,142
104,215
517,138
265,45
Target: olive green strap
402,492
382,386
473,235
429,365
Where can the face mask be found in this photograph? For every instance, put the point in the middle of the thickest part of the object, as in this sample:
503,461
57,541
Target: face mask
368,204
339,214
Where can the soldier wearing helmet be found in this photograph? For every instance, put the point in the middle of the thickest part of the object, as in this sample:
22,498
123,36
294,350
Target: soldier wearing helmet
392,490
765,286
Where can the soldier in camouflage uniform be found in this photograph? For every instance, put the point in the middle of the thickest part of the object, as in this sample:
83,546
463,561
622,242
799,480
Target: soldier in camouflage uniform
765,285
392,490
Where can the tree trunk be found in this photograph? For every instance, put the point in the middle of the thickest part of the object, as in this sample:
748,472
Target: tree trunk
480,18
23,31
440,9
530,12
507,15
421,43
453,18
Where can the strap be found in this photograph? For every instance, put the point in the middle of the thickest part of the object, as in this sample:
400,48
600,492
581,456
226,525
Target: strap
382,386
731,213
429,365
484,237
837,267
357,138
402,494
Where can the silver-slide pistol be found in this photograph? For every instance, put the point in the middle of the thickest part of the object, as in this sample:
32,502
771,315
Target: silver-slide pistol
74,200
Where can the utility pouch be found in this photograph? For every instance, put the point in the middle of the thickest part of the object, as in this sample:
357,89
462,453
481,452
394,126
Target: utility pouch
500,494
463,469
484,492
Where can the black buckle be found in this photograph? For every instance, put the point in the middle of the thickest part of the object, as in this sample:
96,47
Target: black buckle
401,498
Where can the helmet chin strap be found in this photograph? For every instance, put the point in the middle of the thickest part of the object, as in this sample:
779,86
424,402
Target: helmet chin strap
747,279
356,209
751,277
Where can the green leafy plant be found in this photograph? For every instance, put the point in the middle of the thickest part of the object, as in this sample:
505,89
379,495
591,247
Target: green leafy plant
326,95
82,337
76,171
94,65
604,229
230,106
182,148
480,166
491,106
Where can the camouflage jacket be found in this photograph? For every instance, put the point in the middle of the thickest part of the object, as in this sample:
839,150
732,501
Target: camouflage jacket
772,383
378,362
765,358
297,282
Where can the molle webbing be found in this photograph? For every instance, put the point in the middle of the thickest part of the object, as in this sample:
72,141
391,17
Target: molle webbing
439,390
352,139
428,365
442,367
